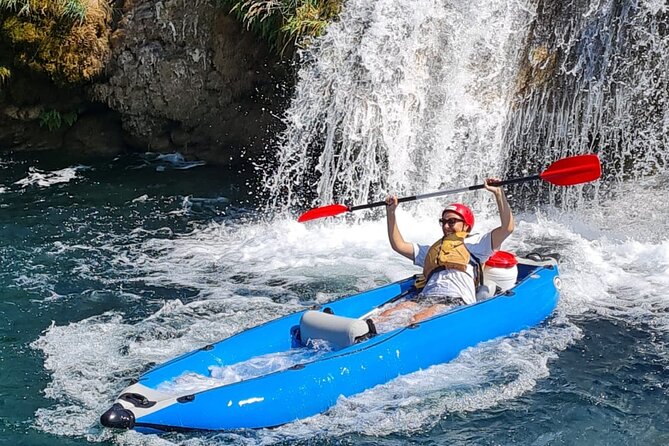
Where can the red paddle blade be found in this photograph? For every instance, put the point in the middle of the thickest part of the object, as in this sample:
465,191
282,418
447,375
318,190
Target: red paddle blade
323,211
573,170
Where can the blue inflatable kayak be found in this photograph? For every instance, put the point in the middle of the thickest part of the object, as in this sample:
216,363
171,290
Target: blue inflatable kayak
314,383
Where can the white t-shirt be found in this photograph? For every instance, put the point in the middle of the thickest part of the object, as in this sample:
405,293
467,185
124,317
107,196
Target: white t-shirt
452,282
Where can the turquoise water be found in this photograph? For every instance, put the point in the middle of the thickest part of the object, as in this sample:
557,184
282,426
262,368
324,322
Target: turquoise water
94,214
114,266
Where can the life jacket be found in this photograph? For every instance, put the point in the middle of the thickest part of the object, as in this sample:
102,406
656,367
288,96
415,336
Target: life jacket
450,252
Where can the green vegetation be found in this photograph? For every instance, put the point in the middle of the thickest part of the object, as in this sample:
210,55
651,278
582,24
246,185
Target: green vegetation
5,73
18,6
65,39
53,119
285,22
73,10
67,9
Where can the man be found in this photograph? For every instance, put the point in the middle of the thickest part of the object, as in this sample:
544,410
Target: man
450,264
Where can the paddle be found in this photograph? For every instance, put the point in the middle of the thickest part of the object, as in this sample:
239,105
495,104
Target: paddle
565,172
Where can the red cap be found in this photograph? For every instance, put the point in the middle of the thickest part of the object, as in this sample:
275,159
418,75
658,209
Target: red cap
502,259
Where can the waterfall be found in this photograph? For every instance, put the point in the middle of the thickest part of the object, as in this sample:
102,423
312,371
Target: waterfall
400,98
594,78
409,99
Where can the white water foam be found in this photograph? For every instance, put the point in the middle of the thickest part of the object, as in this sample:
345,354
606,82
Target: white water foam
37,177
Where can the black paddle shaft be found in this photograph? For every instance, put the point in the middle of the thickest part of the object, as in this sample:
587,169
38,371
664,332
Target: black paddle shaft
445,192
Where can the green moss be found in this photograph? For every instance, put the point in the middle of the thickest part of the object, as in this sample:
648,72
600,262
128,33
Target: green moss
21,32
60,38
310,19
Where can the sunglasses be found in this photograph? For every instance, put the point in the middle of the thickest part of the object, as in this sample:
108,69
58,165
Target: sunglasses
449,221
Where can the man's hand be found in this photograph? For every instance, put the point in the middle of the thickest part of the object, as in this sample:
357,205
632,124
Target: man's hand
494,189
391,204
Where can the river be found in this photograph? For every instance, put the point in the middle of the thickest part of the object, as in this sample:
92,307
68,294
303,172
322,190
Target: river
116,265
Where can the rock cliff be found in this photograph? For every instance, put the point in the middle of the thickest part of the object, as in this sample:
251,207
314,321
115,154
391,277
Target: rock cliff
184,76
180,76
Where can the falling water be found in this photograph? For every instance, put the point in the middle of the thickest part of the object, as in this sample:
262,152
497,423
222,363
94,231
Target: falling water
408,100
594,77
400,98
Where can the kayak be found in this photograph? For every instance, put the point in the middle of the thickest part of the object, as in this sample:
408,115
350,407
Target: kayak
317,377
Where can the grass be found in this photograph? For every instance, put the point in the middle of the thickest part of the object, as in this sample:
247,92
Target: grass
5,74
18,6
285,22
73,10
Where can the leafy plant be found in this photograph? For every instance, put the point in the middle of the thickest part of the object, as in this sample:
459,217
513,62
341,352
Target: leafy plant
70,118
54,120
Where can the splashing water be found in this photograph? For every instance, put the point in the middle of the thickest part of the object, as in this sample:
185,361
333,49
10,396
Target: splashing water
45,179
190,382
239,289
399,99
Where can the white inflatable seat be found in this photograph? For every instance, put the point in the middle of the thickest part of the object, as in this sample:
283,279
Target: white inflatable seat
339,331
